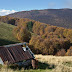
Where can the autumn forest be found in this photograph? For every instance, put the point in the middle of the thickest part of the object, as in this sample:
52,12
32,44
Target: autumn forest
42,38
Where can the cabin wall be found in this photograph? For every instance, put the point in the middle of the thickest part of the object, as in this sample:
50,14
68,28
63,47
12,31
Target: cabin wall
1,62
24,63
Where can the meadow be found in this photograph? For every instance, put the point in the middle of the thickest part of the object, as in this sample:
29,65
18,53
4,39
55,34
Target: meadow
47,63
6,34
61,63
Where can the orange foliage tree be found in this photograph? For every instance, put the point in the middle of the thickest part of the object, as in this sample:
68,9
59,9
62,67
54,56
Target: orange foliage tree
21,33
69,52
61,52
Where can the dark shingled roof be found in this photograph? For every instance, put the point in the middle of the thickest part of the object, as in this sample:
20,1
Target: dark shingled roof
14,54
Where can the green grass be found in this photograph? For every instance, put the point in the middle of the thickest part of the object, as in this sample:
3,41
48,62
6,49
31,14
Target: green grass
37,70
42,67
30,70
6,34
68,64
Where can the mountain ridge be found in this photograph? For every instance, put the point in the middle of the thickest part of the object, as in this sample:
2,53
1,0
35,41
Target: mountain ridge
56,17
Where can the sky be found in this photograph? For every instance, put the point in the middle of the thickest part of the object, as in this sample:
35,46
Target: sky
11,6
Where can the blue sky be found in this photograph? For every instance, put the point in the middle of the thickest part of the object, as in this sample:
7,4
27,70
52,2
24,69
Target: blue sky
11,6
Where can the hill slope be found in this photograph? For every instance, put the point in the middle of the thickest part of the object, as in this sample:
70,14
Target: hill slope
57,17
47,63
6,36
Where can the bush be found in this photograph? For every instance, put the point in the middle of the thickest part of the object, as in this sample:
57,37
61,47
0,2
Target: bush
69,52
61,52
11,21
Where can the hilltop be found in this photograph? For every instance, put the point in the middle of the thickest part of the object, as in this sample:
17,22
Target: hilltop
56,17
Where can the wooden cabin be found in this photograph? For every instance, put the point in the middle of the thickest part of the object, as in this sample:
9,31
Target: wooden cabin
16,54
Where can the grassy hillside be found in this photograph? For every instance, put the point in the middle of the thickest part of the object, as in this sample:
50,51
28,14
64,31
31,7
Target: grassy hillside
61,63
48,63
56,17
6,36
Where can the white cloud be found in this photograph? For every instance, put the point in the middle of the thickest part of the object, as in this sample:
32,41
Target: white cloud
6,12
51,5
68,3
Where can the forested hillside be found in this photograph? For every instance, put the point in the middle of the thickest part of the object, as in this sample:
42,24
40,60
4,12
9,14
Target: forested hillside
56,17
43,38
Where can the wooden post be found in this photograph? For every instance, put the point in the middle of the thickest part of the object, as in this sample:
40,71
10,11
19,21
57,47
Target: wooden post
34,63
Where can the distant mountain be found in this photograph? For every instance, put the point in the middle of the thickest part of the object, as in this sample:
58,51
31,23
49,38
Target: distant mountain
57,17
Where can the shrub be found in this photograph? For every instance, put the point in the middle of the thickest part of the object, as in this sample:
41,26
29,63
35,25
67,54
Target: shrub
11,21
61,52
69,52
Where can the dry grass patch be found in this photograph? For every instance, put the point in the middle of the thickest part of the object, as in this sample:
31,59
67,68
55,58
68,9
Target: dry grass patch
62,63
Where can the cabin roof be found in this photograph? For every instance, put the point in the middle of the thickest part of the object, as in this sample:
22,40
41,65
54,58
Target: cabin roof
14,53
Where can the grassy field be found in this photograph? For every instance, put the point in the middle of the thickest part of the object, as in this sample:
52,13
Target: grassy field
48,64
61,63
6,35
